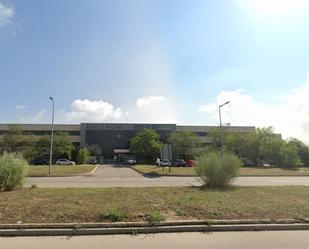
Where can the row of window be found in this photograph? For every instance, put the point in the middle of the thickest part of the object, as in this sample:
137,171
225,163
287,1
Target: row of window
41,133
129,127
201,133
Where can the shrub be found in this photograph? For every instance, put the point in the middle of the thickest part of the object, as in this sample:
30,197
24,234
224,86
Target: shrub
180,213
83,156
114,216
217,171
33,185
12,171
154,218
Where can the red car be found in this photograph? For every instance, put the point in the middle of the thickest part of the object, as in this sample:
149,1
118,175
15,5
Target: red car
190,163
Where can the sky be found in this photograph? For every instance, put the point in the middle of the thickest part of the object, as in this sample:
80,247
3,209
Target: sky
156,61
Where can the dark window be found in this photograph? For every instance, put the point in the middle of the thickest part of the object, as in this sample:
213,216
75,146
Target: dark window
201,133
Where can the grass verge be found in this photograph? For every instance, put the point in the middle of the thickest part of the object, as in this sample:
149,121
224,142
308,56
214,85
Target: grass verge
135,204
244,171
57,170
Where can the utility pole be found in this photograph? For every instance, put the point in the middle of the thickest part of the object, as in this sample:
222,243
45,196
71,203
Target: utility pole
52,137
221,128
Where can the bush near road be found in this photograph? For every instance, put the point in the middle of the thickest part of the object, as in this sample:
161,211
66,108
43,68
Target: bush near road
12,171
216,169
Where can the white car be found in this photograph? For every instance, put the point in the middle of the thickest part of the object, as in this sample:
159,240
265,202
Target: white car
64,162
131,161
166,163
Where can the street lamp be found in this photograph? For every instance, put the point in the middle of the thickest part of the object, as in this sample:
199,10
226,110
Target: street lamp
52,137
221,125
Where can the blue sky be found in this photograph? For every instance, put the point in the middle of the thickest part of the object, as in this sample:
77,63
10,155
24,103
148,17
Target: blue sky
156,61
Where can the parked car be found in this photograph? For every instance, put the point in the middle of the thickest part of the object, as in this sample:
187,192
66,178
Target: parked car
249,163
190,163
267,165
131,161
39,161
65,162
179,163
92,161
264,164
166,163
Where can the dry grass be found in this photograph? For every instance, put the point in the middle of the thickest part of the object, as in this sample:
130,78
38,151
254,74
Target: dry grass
57,170
88,204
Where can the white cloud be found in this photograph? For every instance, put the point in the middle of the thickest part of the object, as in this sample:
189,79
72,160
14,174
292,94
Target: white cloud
36,118
152,109
6,14
20,107
150,101
94,111
289,113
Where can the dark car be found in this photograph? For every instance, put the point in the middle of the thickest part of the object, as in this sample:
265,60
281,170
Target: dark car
92,161
179,163
39,161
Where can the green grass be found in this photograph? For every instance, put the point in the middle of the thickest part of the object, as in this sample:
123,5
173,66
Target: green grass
244,171
57,170
88,204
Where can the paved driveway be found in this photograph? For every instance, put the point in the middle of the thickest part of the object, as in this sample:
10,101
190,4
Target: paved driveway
122,176
112,176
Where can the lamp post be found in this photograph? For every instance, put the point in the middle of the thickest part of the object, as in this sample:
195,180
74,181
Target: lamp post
221,125
52,137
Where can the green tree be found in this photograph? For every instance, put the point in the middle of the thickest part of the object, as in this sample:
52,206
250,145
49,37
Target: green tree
215,135
83,156
184,144
276,151
303,150
244,145
62,145
17,141
95,150
145,145
262,146
290,155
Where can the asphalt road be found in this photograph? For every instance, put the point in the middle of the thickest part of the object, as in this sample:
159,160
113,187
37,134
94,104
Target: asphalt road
122,176
217,240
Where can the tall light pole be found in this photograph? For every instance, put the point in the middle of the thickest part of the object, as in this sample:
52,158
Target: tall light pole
52,137
221,125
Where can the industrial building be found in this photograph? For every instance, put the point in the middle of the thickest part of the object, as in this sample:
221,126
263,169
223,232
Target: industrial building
114,138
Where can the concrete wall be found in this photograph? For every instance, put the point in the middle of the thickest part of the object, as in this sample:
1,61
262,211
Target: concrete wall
194,128
40,129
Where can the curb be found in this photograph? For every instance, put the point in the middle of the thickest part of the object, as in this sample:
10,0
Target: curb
91,172
69,229
155,229
154,174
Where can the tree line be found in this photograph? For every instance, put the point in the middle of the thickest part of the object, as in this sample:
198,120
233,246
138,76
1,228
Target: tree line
30,146
254,148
